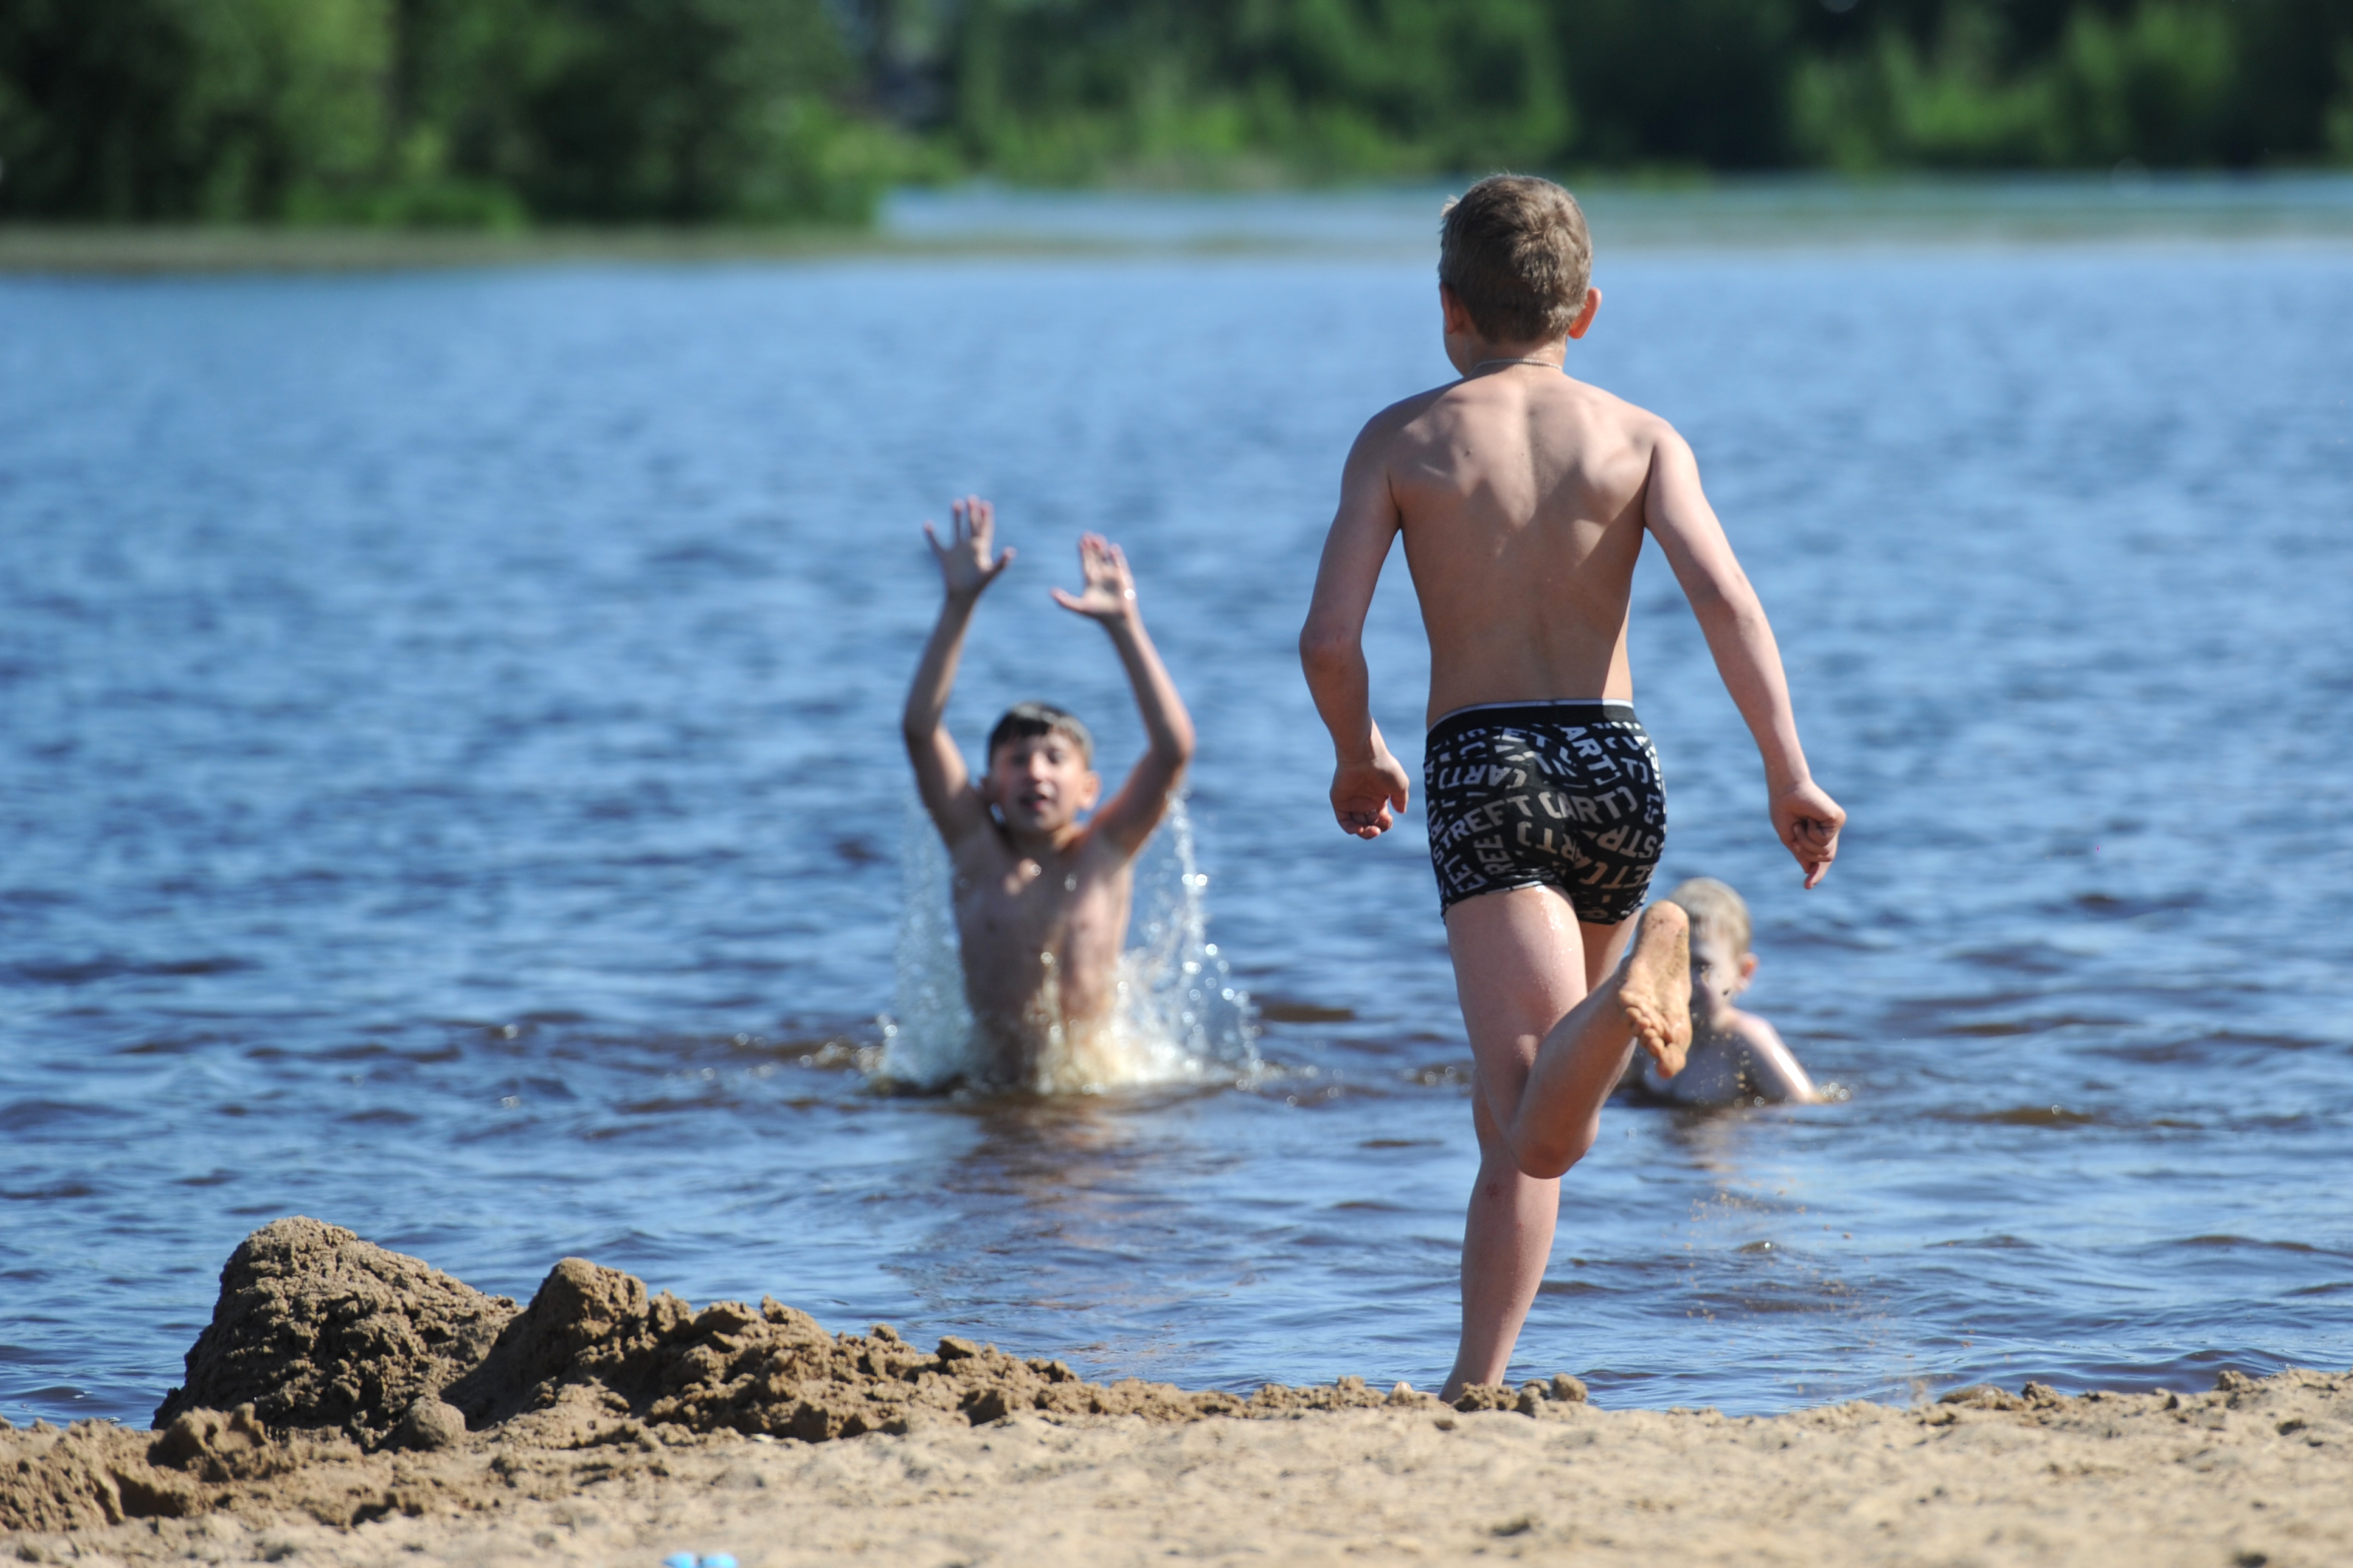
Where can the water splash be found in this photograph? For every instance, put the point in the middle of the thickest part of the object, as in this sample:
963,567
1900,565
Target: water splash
928,1031
1181,1017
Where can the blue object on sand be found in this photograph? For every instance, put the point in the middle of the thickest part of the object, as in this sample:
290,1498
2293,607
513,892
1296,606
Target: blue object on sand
718,1560
679,1560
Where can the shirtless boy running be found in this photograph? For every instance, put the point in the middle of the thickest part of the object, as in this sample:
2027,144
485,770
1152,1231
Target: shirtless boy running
1041,897
1523,497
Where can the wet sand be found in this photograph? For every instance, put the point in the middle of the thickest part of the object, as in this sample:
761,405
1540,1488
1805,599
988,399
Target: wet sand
403,1419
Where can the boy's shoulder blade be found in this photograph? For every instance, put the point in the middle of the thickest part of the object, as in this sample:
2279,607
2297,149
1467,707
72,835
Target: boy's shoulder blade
1404,412
1600,403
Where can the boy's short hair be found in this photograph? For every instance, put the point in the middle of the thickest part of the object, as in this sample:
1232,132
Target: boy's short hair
1024,719
1714,908
1514,249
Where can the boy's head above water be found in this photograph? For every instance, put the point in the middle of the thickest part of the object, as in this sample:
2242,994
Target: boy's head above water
1040,768
1720,964
1516,264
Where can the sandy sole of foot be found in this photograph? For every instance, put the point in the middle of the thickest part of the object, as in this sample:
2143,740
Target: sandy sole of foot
1656,989
2259,1474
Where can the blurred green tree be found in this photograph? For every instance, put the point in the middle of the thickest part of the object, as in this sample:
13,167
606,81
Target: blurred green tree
433,111
488,112
2004,83
208,109
1065,88
1697,83
683,111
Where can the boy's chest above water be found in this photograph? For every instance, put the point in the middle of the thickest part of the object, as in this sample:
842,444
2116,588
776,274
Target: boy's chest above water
1023,893
1030,899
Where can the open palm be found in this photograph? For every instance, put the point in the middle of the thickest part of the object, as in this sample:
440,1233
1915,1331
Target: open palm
965,560
1110,593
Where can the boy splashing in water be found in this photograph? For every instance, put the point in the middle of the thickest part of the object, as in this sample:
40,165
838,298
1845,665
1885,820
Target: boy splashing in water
1041,897
1524,497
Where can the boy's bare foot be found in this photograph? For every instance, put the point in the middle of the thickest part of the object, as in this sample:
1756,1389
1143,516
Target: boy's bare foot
1654,988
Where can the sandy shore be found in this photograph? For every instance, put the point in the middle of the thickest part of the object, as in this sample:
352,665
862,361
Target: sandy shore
2214,1481
403,1419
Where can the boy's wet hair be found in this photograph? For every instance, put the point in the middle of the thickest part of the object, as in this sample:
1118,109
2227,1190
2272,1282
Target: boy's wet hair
1516,251
1714,909
1024,719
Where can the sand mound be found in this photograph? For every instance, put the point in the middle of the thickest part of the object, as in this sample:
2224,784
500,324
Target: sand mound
316,1328
325,1347
592,1344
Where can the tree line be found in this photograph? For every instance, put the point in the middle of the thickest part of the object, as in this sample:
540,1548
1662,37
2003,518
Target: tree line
507,112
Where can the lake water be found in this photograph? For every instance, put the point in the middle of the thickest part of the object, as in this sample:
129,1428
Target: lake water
449,786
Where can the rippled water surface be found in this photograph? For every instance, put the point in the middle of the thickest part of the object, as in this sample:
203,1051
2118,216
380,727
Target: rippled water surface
450,786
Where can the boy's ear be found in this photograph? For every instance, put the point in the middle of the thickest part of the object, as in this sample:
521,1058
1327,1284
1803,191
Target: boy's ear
1747,969
1090,790
1458,318
1584,323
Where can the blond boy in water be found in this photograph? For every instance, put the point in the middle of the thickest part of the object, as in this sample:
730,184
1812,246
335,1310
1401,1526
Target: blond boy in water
1523,497
1734,1055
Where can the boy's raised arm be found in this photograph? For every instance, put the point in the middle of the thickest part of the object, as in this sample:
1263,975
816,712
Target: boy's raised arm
1128,819
1805,818
966,569
1366,781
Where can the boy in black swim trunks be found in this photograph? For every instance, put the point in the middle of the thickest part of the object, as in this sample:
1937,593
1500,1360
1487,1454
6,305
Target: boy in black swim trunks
1523,497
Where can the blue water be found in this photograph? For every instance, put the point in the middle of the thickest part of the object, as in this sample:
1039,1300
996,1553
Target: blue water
450,786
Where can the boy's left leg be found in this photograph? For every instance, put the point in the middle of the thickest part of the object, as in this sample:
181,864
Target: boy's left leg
1527,973
1506,1242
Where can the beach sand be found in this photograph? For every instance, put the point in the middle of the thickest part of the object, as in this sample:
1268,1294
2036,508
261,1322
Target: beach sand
395,1417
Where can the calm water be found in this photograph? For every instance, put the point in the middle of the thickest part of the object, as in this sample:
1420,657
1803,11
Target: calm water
450,786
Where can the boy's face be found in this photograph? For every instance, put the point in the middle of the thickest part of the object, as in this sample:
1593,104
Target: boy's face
1040,784
1717,974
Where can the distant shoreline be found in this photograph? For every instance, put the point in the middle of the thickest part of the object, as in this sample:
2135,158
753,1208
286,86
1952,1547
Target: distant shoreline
982,220
136,251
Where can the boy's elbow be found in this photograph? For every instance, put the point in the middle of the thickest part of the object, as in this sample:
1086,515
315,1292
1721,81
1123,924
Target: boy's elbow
1325,650
1727,593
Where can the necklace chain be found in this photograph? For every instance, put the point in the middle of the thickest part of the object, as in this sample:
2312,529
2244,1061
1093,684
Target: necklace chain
1547,364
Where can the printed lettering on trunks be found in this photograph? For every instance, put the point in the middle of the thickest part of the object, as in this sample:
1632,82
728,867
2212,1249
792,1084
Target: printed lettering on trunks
1560,795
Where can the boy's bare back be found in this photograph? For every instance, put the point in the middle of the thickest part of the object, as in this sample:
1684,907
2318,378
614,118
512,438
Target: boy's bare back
1523,495
1520,493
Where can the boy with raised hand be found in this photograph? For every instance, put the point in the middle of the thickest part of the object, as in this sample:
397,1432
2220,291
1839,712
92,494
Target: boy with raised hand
1523,496
1041,897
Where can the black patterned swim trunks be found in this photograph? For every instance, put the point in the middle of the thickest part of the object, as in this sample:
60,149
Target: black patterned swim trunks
1545,795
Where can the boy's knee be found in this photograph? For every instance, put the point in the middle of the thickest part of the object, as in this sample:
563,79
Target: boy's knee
1549,1156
